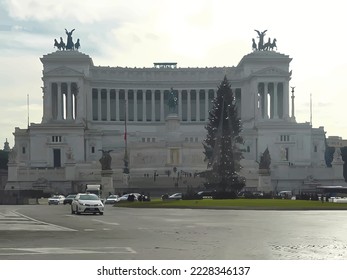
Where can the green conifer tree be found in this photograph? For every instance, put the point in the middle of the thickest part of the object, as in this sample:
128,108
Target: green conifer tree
222,144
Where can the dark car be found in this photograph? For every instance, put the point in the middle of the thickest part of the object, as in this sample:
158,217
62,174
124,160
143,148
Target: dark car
69,199
206,194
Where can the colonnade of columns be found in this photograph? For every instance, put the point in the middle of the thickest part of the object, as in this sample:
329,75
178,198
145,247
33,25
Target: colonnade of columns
149,105
273,100
62,101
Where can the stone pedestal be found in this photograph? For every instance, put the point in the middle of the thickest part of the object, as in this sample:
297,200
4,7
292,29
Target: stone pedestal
70,170
264,181
172,122
337,164
107,183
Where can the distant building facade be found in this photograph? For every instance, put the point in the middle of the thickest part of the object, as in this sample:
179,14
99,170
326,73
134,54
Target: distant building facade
86,107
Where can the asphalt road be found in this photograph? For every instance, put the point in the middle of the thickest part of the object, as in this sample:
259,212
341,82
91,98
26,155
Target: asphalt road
33,232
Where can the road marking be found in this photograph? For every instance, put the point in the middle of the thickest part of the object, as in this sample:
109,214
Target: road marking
15,221
107,223
65,251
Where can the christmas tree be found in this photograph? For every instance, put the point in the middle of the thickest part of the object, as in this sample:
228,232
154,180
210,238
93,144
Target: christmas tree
222,144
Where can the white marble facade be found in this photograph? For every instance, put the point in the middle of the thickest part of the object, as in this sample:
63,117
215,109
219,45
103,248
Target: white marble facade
85,108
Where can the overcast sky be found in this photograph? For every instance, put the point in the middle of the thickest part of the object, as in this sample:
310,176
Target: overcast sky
193,33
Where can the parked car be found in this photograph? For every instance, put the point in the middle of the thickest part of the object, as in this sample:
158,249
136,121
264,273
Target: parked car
56,199
285,194
126,197
87,203
206,194
69,199
175,196
111,199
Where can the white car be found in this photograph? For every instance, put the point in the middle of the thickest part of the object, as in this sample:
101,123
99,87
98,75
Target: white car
56,199
125,197
175,196
87,203
111,199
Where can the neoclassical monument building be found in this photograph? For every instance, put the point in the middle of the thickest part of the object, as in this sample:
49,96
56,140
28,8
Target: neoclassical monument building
87,109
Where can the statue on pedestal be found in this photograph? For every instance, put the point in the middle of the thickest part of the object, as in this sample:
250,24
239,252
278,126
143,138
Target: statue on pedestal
105,160
268,46
261,39
172,103
69,45
265,160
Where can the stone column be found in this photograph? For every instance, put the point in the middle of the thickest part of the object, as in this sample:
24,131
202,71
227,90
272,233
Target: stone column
108,104
189,111
261,99
275,101
135,104
99,104
126,91
197,105
117,104
144,108
206,104
286,100
161,105
47,102
68,102
266,109
153,105
180,104
59,103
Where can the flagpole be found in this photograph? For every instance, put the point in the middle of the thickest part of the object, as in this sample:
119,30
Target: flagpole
28,109
126,159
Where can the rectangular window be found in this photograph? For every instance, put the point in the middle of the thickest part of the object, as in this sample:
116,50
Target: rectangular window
56,139
56,158
93,150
